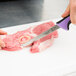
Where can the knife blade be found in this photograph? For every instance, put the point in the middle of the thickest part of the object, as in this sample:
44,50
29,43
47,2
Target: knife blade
41,35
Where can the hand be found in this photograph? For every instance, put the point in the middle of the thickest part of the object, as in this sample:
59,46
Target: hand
1,42
71,9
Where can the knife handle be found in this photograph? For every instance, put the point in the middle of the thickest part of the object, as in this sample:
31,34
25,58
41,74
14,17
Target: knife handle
64,23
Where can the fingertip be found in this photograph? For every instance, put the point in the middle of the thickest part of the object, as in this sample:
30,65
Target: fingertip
63,15
2,32
5,33
2,44
0,48
66,13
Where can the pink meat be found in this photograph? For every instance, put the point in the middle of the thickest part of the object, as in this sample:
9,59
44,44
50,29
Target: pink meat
13,42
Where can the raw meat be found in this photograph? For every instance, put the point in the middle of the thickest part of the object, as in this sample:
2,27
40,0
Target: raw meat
13,42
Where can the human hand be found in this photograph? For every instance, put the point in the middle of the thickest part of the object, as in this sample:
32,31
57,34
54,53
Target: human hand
1,42
71,10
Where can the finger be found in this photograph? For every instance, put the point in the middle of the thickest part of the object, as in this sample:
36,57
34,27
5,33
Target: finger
3,32
0,48
67,11
73,11
2,44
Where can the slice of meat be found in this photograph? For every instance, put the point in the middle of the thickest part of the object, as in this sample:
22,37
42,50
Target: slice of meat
13,42
39,46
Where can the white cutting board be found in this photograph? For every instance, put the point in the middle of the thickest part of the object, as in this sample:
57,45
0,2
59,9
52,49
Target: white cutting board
57,60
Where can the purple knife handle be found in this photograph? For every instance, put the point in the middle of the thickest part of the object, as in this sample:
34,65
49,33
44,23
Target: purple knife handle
64,23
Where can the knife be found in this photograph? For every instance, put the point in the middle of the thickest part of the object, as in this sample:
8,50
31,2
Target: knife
63,23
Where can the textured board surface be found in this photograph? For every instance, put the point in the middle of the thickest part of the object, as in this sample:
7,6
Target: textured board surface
57,60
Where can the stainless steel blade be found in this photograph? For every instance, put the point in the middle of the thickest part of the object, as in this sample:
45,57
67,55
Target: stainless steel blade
41,35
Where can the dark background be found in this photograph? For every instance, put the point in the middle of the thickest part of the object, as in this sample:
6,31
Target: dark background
16,12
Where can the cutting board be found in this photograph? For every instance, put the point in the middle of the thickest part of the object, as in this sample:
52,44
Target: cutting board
58,60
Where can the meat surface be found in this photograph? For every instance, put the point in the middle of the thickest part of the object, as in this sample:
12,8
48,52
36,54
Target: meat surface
13,41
